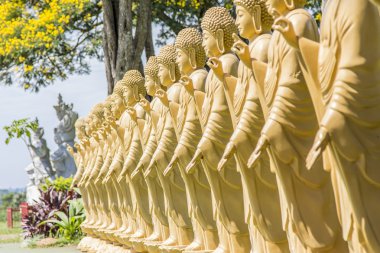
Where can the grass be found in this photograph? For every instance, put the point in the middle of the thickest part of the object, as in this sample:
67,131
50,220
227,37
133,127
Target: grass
8,235
4,230
61,242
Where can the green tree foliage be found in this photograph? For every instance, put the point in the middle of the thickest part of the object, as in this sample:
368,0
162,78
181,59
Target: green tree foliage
41,41
20,129
13,199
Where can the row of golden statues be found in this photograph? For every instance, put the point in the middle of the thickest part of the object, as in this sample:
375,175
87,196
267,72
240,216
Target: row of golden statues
277,152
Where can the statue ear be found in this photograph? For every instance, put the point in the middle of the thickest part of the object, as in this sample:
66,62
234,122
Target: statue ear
136,92
192,58
256,14
172,72
220,40
289,4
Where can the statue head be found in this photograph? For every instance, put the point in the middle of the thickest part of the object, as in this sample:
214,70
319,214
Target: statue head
152,82
252,18
80,128
62,108
168,69
97,114
133,86
108,107
280,7
38,133
217,28
190,53
118,106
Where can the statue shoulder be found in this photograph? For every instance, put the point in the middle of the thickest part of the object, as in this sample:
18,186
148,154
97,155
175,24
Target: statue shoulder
174,92
259,48
140,112
199,79
304,24
230,64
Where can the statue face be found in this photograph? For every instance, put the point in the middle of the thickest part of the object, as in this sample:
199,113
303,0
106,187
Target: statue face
164,75
60,114
183,61
276,7
209,43
128,96
244,22
116,105
150,85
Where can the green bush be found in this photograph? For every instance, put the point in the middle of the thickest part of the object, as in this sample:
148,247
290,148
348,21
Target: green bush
69,224
59,184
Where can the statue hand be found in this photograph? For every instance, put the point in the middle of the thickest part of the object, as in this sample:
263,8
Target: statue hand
135,172
320,142
163,96
70,150
144,103
187,83
241,49
196,159
171,165
228,153
97,179
149,168
261,146
120,177
132,112
108,176
286,28
216,65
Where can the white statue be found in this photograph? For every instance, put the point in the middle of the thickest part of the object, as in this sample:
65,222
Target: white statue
64,135
40,168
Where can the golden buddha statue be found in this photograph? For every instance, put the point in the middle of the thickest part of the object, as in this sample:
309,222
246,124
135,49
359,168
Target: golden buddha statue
308,212
133,89
180,229
156,196
344,72
128,223
111,187
218,27
191,59
262,216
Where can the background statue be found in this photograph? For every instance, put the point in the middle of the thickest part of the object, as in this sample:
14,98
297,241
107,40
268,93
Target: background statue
64,135
40,167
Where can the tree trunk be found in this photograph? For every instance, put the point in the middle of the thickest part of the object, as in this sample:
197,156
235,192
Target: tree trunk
123,44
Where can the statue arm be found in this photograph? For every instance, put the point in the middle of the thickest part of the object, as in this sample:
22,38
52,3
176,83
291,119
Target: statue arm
106,164
133,155
148,151
116,164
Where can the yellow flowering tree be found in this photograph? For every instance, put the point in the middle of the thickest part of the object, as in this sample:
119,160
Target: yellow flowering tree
45,40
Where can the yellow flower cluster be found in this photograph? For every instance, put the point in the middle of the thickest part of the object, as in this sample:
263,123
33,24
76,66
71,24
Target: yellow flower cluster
23,28
183,3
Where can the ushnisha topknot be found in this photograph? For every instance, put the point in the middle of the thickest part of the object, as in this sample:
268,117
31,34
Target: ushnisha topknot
98,111
151,68
217,18
192,38
118,89
108,102
134,78
266,18
168,56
